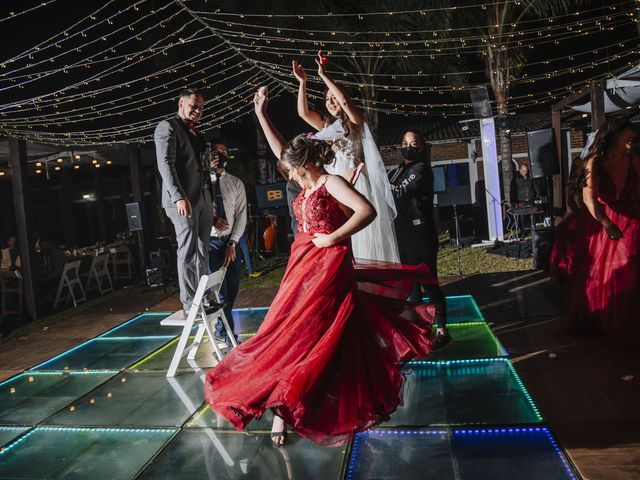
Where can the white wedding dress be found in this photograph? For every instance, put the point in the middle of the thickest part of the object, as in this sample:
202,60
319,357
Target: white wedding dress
378,240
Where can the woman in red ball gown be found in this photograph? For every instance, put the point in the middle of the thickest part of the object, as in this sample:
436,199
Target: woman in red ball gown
325,359
596,252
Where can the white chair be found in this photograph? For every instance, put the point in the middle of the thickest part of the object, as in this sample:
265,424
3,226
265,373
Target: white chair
70,279
121,263
99,272
205,322
11,285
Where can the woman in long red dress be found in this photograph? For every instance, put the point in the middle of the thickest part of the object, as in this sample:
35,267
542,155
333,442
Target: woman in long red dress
325,359
596,253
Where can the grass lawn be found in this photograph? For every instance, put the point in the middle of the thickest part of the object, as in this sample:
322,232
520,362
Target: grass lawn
472,261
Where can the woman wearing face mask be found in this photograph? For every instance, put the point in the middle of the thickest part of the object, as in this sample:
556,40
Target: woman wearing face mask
412,187
357,160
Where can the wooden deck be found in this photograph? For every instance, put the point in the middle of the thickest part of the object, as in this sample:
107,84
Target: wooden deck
577,383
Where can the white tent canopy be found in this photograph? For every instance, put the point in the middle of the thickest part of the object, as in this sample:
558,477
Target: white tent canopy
621,91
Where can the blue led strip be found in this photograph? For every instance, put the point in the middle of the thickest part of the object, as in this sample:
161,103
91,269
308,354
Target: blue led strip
137,317
523,430
381,433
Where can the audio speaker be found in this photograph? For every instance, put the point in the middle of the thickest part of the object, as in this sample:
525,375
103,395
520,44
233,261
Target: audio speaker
542,243
133,217
543,154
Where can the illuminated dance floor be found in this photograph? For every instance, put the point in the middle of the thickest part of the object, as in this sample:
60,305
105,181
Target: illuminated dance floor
104,409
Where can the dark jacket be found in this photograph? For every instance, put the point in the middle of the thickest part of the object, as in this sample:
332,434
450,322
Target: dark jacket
522,189
412,187
178,156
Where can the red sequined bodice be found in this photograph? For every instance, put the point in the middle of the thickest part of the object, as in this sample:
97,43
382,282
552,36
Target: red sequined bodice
322,212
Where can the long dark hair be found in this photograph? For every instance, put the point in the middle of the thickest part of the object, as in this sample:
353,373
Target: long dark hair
603,140
350,128
303,150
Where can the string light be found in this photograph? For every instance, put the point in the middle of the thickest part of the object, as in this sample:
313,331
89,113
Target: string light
237,55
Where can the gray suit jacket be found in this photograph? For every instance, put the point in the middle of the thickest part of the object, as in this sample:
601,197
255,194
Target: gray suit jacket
178,156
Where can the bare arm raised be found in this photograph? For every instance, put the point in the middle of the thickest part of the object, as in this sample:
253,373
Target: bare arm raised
312,117
353,112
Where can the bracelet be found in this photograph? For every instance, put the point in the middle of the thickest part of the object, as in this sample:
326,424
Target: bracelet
231,244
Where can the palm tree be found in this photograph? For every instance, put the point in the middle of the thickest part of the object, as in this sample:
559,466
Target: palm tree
496,23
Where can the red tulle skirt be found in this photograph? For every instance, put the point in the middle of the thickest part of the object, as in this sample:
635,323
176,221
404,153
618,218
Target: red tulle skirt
602,276
326,356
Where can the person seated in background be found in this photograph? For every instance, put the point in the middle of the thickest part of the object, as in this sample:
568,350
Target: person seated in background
11,254
52,264
522,193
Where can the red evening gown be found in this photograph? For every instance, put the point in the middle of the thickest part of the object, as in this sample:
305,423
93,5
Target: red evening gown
326,356
602,276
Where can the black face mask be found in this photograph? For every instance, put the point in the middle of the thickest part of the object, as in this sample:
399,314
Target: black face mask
411,153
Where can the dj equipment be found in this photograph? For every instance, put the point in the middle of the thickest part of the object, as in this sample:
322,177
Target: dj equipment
543,155
532,210
272,195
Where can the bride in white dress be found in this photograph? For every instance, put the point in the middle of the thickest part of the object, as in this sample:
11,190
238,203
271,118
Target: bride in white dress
357,160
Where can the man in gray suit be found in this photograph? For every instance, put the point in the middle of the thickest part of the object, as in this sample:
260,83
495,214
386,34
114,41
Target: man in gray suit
186,190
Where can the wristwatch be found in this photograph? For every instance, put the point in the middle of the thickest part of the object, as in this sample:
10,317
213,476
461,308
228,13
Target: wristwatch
231,244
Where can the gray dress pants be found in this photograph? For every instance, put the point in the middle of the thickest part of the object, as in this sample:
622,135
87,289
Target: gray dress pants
192,235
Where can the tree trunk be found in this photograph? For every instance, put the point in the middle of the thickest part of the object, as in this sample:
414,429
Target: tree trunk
498,69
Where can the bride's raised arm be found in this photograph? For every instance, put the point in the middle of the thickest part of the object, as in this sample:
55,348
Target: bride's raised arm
351,109
312,117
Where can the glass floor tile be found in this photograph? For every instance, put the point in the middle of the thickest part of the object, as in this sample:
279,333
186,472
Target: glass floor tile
161,359
464,392
206,453
137,399
247,320
30,398
461,309
526,454
7,434
81,453
470,340
144,325
111,353
206,417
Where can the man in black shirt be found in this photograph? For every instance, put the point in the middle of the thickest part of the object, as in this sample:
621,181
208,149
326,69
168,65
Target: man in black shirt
412,187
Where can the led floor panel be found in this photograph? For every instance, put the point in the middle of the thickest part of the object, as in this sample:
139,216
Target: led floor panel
137,399
211,454
161,359
464,392
470,340
111,353
9,433
461,309
30,398
144,325
489,454
81,453
207,418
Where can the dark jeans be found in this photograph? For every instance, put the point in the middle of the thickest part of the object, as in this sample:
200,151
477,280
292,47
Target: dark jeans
420,245
231,284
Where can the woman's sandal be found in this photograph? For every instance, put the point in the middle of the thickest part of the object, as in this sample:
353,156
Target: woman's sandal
282,434
275,435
